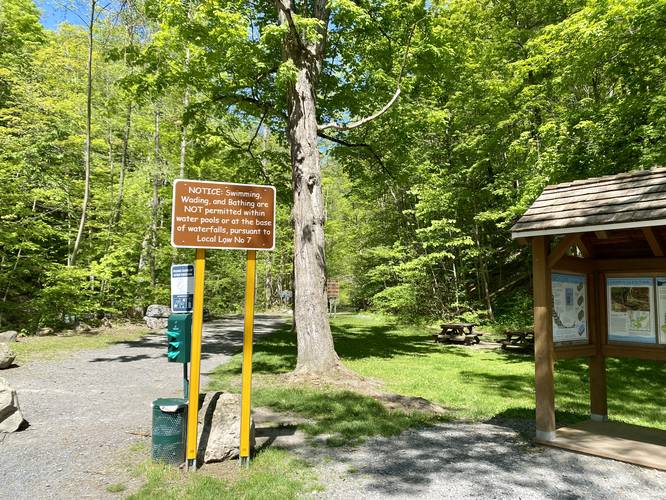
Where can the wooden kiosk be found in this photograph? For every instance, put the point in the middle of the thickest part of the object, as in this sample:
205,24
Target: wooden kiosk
599,271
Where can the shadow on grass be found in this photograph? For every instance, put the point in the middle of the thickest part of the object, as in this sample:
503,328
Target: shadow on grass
277,353
341,417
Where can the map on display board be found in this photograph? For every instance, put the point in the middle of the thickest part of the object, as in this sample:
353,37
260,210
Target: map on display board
631,310
569,308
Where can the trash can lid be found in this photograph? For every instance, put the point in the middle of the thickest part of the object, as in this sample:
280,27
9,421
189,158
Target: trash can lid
171,403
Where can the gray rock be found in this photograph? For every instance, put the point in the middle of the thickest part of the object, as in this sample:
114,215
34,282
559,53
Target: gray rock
7,356
158,311
45,332
106,323
11,417
219,420
135,312
8,336
82,327
156,323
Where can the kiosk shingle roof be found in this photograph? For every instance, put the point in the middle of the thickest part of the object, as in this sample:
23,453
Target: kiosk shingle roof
622,201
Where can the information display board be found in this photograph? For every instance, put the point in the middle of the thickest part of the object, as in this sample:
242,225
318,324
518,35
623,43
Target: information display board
631,310
661,309
209,214
569,308
182,288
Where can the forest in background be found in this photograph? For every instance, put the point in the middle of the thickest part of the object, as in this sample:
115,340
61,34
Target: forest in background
499,98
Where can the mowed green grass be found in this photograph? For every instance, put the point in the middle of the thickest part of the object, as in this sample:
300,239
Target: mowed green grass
29,349
475,384
272,474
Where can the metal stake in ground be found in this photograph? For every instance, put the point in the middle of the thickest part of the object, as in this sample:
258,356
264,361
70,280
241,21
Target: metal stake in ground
195,364
246,390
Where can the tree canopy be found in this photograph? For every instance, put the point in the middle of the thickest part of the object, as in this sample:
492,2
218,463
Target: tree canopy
490,101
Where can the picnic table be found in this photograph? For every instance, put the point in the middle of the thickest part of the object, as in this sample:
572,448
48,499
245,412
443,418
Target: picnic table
458,332
519,340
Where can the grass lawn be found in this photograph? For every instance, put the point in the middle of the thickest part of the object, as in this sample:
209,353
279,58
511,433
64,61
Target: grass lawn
272,474
53,347
475,384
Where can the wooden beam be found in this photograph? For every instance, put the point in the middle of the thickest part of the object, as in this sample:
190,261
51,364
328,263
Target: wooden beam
574,351
561,248
648,264
652,352
522,241
596,313
652,241
602,235
544,358
574,265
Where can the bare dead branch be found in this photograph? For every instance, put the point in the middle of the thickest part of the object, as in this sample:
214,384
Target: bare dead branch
387,106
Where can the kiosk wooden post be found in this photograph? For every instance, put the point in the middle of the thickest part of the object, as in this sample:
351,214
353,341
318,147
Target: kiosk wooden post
597,362
543,342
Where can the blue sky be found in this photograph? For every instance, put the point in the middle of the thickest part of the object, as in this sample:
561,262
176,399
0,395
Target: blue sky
54,14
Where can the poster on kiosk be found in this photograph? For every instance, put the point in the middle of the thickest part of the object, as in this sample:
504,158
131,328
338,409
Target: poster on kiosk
631,310
569,308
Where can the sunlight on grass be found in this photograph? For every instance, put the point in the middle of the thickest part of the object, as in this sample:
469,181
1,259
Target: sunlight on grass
345,417
476,384
54,347
272,474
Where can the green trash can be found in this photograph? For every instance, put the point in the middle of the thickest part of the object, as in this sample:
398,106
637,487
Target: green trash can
169,430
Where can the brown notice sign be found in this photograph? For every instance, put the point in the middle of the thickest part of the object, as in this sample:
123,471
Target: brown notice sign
209,214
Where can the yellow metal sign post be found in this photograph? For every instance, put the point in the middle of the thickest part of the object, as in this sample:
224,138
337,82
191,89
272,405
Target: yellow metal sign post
195,366
248,331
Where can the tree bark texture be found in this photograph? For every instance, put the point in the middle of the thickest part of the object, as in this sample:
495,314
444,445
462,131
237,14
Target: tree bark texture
316,353
87,148
123,165
183,127
154,213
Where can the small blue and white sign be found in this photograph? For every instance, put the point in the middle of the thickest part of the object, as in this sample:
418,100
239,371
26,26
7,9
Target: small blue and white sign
182,288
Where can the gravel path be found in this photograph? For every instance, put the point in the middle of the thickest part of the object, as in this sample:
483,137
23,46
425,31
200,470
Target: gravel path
88,407
462,460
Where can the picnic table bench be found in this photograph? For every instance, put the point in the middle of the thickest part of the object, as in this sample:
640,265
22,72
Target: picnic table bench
519,340
458,332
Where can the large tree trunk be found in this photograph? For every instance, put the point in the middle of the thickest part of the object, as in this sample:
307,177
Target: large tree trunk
316,353
183,127
154,213
123,165
86,152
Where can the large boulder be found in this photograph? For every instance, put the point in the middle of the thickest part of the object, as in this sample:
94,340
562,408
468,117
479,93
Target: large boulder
8,336
158,311
45,332
7,356
219,435
11,418
156,323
